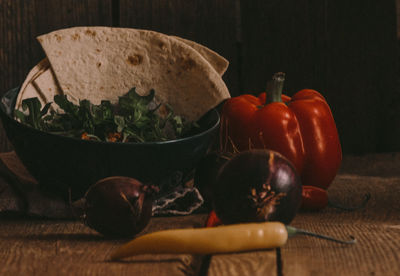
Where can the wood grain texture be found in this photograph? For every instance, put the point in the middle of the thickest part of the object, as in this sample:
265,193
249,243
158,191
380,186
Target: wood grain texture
21,21
376,252
346,50
362,47
211,23
398,18
280,36
249,263
37,247
376,228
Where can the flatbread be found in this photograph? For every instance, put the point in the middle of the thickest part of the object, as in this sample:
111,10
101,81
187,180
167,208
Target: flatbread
47,87
103,63
27,90
42,83
217,61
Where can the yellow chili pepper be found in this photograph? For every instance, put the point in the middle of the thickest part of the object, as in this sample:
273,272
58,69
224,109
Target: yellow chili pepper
221,239
212,240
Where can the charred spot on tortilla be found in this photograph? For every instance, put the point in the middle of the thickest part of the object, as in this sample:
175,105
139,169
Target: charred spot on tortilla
188,64
75,37
98,64
163,46
90,33
135,59
98,50
58,37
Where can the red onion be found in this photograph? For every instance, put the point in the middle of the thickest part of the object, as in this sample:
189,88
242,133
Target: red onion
257,185
118,206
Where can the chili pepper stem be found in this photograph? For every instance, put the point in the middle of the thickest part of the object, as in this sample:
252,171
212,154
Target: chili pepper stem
275,87
292,231
337,205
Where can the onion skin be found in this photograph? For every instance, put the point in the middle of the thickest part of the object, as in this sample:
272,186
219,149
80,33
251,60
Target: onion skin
255,186
118,206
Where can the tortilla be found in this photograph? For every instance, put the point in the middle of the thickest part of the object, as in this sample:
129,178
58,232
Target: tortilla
217,61
46,85
27,90
42,83
103,63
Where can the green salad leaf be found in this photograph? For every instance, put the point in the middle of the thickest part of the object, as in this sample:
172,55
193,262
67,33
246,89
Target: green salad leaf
130,120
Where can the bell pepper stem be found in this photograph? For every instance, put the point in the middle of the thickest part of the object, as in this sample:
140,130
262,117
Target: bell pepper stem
275,87
292,231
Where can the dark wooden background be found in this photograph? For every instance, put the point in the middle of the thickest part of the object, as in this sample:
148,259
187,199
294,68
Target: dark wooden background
347,50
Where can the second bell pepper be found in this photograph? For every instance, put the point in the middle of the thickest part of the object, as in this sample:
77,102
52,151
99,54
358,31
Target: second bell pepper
301,128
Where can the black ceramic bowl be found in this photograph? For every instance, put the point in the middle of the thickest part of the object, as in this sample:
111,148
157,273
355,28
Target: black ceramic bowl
64,165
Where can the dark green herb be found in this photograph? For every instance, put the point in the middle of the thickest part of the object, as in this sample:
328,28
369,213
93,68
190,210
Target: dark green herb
36,113
131,120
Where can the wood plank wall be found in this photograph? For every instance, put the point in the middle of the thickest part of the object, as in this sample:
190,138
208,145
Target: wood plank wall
348,50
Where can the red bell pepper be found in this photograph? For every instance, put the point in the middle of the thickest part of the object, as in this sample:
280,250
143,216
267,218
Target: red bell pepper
301,128
212,220
314,198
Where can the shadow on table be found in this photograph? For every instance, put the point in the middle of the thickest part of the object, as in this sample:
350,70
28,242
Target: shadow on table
84,237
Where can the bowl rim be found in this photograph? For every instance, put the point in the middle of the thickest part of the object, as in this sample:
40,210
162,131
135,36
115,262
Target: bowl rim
173,141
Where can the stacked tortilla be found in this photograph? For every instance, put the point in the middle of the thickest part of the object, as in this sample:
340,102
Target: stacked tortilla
103,63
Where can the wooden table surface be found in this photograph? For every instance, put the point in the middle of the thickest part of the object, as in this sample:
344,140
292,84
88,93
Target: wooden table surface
57,247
